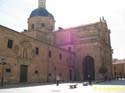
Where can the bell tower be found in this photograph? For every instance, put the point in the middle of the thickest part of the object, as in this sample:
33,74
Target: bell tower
42,4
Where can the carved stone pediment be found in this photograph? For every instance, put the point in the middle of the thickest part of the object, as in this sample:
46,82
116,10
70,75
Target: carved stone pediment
23,59
26,44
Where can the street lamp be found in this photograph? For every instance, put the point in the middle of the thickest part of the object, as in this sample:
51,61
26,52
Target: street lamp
55,73
2,74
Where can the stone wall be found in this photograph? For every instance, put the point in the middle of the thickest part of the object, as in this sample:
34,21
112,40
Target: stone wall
41,67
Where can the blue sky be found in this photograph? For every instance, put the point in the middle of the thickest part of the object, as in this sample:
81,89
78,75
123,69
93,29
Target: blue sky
68,13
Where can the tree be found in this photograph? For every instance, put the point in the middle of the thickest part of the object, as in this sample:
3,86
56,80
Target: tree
103,69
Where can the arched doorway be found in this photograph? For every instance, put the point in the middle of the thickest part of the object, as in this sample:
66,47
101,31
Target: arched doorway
88,68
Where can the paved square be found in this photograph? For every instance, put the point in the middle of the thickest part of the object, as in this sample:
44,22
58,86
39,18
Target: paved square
105,87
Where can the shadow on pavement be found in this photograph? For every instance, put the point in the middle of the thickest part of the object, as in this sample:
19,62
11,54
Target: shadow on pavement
112,82
20,85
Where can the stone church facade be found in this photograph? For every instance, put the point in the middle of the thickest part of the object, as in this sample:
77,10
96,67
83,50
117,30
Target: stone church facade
39,54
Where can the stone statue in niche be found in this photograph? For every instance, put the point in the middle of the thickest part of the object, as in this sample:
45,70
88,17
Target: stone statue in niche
25,54
26,50
16,49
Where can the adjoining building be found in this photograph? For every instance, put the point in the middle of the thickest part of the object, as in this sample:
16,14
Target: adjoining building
40,53
118,69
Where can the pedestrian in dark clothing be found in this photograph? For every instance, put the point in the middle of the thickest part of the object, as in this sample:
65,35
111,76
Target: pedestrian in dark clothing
117,77
120,75
89,77
57,80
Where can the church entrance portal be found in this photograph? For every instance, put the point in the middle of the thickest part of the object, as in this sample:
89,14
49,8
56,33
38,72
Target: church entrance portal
88,68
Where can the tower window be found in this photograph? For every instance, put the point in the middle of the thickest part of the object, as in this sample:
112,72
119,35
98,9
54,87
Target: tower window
32,26
50,54
42,25
37,51
10,43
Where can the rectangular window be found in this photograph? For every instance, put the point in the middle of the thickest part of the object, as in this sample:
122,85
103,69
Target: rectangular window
37,51
42,25
60,56
8,70
32,26
50,54
10,43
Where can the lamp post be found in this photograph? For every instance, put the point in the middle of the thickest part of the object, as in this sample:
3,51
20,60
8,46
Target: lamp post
55,72
2,74
48,60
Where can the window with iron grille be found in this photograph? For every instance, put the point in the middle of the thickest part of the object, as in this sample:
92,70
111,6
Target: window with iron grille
10,43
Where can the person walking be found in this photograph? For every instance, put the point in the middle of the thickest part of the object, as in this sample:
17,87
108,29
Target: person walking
89,77
57,80
120,75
